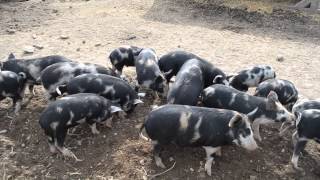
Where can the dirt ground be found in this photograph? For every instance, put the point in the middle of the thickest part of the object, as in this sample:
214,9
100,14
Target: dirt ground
231,39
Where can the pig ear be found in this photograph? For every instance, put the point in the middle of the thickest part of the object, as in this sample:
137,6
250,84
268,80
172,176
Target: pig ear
235,119
272,99
22,75
218,79
137,101
159,79
11,57
115,109
168,72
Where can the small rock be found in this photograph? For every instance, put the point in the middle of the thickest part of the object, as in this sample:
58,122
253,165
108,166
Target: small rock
79,143
115,134
28,50
64,37
97,45
38,46
171,159
191,169
11,31
70,7
83,42
3,131
141,162
55,11
251,161
23,145
34,36
28,138
280,58
109,177
104,136
78,49
144,177
253,177
179,46
282,150
131,37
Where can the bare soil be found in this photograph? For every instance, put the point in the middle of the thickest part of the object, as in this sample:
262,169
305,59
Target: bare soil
231,38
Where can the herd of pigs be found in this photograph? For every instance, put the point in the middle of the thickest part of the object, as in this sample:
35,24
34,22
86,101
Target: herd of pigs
205,107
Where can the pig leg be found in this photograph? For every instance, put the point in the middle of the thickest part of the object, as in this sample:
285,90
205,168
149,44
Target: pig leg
93,127
59,140
53,148
209,160
156,150
298,147
256,127
17,104
108,122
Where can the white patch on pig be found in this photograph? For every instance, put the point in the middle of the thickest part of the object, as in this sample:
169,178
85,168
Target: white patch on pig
248,142
109,89
196,134
54,125
184,120
71,118
99,80
233,98
59,109
80,121
34,71
150,63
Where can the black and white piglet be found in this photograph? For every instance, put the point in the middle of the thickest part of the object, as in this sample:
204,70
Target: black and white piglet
286,91
112,88
12,85
148,72
197,127
259,110
172,62
251,77
305,104
124,56
61,73
188,85
308,125
31,67
70,111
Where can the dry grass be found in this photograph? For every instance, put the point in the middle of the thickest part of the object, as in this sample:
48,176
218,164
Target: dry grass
252,5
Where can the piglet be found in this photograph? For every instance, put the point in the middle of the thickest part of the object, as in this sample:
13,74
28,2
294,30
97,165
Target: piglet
148,72
31,67
61,73
259,110
70,111
251,77
12,85
116,90
191,126
124,56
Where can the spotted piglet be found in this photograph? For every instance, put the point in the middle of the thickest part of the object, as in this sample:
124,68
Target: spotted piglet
71,111
116,90
12,85
286,91
148,72
259,110
307,128
188,85
172,62
124,56
191,126
61,73
251,77
31,67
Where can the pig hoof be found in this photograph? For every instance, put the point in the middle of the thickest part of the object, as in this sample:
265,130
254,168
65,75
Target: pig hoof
159,163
